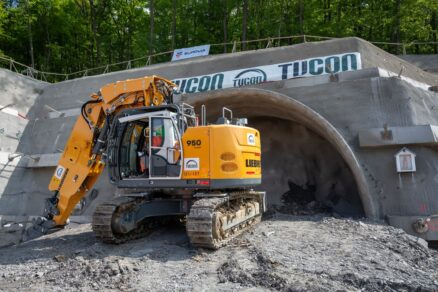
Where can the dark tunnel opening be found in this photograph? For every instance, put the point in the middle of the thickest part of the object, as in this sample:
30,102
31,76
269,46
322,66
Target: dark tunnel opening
302,172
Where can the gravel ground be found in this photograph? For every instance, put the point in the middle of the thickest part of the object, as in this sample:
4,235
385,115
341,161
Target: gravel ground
284,252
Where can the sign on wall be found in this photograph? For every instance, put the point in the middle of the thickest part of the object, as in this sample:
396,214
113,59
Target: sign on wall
186,53
405,160
276,72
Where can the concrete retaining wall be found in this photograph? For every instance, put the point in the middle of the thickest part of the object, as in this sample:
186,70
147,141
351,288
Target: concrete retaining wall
428,63
17,96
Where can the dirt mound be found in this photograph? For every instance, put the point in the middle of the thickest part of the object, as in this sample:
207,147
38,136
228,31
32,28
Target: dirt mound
264,274
283,253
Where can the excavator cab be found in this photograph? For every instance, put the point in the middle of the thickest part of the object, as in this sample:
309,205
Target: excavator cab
146,144
150,153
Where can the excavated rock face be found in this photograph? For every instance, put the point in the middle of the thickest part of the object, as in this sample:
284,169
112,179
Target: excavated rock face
302,172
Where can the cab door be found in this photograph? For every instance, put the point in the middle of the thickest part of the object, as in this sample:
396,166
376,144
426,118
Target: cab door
165,149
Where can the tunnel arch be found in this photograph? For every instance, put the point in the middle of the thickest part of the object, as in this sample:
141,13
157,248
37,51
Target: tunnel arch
251,103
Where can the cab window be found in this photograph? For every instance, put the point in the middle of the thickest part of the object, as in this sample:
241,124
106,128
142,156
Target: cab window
132,142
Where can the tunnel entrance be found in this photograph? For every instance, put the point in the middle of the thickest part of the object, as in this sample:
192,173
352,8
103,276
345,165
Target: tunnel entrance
302,172
305,158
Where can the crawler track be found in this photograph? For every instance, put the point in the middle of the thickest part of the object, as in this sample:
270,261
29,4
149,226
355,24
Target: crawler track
102,220
213,222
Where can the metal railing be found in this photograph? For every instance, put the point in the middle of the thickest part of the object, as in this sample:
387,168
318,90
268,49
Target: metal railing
219,48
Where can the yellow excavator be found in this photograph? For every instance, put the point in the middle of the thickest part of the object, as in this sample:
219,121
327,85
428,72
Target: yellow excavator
167,160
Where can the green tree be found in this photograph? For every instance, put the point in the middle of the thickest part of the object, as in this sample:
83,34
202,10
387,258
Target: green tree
72,35
2,23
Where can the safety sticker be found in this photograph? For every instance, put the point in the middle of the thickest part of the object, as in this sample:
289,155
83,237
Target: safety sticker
59,172
250,138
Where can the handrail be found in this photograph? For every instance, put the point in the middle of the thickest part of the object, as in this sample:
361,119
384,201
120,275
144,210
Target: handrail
28,71
203,115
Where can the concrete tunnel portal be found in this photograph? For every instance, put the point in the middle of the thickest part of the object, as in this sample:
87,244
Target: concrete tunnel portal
304,157
319,140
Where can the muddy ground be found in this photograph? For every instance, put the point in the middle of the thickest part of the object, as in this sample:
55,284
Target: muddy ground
284,252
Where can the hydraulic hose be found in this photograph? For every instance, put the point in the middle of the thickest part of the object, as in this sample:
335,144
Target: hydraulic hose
84,112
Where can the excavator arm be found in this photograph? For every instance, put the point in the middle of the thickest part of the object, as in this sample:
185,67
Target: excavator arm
82,161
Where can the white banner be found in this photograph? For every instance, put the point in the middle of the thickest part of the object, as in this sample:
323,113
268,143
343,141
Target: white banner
186,53
289,70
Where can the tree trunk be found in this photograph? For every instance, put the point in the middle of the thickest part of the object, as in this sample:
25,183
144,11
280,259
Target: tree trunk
93,22
257,21
371,24
281,21
288,17
173,24
225,24
301,17
358,27
329,12
434,28
324,7
338,19
151,26
130,54
110,51
397,26
29,31
211,21
48,50
244,23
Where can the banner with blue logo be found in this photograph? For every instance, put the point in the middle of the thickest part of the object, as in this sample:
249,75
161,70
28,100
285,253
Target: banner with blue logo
186,53
249,76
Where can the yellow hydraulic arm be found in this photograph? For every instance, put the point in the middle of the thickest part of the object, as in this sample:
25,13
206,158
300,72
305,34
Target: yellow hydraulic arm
81,162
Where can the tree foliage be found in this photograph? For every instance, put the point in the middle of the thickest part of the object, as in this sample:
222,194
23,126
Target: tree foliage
70,35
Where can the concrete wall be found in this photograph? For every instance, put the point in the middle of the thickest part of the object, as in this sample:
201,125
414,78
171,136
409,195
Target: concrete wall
17,96
324,115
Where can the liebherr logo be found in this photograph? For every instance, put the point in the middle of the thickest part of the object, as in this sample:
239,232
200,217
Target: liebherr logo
253,163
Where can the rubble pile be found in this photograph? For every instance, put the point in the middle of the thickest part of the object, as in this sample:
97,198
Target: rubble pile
283,253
